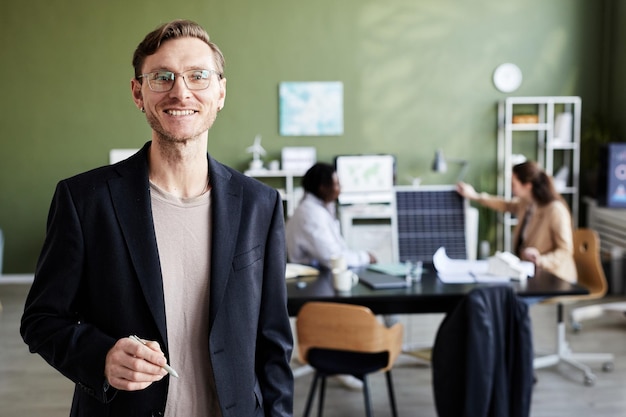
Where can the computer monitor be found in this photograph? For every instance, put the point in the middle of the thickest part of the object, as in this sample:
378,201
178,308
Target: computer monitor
366,179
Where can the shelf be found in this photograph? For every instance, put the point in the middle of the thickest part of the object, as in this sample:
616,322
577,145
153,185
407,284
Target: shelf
554,149
288,193
529,126
563,146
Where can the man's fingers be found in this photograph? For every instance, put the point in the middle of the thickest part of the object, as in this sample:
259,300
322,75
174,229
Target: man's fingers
147,350
133,366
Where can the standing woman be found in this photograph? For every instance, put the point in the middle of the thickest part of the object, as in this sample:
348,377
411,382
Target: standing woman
543,234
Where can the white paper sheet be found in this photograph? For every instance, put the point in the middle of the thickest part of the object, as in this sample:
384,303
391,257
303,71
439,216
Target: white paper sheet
461,271
298,270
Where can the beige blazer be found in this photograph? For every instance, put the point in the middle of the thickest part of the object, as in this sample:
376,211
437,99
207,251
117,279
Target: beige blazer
549,229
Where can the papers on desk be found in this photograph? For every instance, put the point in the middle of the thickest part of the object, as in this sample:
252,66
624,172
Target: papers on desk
299,270
460,271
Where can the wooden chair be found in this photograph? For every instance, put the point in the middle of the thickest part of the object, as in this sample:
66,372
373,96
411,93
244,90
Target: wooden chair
590,276
345,339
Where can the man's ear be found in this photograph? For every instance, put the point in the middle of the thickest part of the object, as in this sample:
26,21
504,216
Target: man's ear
135,88
222,98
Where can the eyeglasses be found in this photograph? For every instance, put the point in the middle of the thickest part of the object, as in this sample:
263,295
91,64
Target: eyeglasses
162,81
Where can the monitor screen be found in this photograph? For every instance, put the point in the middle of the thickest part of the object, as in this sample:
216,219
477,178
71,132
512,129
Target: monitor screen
366,179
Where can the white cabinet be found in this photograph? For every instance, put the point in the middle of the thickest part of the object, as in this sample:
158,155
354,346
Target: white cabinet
289,193
368,227
546,130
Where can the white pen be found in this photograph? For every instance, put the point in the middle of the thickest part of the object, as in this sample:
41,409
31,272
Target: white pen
168,368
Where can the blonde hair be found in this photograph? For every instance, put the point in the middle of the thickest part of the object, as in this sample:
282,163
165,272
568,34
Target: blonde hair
173,30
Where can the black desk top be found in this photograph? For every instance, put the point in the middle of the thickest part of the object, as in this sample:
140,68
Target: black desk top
428,296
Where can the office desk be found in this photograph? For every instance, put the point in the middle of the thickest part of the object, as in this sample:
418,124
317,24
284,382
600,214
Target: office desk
428,296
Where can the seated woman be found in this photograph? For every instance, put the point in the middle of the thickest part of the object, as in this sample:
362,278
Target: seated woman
313,235
543,234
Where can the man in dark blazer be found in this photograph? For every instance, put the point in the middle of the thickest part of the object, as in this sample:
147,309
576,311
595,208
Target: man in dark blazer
108,268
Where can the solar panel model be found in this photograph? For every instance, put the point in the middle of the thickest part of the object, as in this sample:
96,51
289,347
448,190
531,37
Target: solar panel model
426,218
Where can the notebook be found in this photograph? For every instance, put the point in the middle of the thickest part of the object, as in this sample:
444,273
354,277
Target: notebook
399,269
382,281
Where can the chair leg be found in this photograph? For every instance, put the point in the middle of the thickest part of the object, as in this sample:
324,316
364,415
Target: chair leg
564,354
320,402
392,396
309,399
366,396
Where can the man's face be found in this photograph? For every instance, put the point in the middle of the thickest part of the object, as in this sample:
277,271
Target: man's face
180,114
331,192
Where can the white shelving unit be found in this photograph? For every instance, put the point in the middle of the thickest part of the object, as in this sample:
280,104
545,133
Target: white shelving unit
546,130
288,193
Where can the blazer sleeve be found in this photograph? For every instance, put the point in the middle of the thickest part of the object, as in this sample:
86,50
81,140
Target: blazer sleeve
498,203
51,324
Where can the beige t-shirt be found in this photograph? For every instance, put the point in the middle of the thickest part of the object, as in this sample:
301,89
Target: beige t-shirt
183,232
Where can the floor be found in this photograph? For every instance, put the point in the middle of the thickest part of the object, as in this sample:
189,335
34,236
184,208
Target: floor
29,387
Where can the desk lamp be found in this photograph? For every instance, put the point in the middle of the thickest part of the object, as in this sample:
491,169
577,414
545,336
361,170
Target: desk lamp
440,164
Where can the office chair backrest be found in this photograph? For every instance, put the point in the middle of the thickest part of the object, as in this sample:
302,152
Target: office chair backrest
345,327
588,265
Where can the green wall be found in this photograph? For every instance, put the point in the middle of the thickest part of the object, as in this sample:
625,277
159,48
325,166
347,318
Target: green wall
615,85
416,74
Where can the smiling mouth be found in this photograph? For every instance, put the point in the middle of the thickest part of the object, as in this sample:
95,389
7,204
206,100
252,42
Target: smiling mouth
180,112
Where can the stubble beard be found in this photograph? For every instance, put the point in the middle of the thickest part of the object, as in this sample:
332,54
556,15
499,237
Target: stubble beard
168,138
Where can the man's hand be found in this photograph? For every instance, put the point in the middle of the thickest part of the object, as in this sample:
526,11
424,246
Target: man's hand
131,366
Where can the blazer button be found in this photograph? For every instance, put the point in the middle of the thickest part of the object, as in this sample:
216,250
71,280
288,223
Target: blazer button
158,414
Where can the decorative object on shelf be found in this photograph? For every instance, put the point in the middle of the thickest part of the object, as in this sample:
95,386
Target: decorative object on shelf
311,108
440,164
274,165
518,158
298,158
563,127
525,118
507,77
257,151
561,178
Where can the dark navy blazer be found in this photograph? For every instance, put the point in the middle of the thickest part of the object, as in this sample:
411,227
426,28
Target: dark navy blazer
98,279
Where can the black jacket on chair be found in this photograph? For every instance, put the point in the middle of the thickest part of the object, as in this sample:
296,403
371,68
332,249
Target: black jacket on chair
482,360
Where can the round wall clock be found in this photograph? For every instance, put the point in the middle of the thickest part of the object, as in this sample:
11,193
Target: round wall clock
507,77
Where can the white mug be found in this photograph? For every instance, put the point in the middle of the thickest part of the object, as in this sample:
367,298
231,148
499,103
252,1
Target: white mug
344,280
338,262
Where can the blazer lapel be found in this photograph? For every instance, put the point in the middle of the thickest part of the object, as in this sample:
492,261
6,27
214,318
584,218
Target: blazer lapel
226,195
130,194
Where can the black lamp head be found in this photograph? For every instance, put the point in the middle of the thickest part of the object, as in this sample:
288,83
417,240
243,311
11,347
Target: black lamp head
439,163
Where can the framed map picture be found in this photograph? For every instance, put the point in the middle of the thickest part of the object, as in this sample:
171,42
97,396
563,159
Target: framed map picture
311,108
